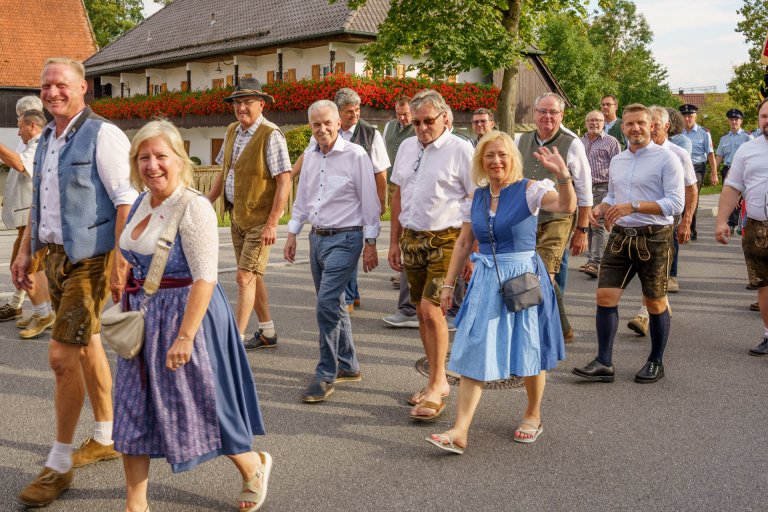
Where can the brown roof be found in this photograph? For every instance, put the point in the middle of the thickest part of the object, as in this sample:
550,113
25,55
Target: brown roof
189,29
25,37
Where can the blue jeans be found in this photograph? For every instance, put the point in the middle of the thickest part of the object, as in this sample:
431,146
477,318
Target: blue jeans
332,260
351,292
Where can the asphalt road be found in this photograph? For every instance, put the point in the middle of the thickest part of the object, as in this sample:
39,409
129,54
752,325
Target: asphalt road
694,441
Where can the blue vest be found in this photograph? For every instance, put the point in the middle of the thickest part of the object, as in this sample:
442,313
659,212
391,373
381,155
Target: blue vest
88,215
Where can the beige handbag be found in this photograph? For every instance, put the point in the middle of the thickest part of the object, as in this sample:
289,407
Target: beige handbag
124,330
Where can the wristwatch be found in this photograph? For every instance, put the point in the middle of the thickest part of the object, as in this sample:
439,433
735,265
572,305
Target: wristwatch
583,229
635,206
370,241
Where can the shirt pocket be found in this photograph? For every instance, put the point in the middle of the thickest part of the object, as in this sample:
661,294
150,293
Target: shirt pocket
336,184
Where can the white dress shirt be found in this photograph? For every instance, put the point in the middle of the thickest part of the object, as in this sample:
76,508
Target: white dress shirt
649,174
689,175
337,190
112,147
578,164
379,155
434,181
749,175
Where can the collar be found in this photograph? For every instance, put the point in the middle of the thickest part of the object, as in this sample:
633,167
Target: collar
251,129
646,148
438,142
72,127
33,139
351,129
541,142
694,129
339,145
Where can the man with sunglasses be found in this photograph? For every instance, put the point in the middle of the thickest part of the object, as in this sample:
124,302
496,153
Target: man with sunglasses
432,178
555,228
256,179
748,177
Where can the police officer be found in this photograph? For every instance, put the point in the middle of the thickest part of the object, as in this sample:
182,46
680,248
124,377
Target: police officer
727,147
702,152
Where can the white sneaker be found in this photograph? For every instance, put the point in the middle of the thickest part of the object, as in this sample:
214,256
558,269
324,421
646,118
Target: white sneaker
401,320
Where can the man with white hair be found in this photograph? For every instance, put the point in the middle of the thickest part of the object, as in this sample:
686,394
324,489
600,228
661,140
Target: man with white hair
17,201
337,195
432,174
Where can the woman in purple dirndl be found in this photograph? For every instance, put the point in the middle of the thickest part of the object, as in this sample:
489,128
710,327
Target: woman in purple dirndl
189,395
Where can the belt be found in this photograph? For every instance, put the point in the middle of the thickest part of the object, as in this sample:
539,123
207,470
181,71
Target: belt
640,230
332,231
55,247
412,232
750,220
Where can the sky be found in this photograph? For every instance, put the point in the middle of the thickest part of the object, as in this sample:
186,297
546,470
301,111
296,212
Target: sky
700,51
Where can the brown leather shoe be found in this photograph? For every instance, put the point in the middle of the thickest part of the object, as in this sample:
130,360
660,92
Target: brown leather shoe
91,451
568,336
44,489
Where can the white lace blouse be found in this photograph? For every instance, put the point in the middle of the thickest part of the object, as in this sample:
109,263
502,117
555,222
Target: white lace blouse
198,230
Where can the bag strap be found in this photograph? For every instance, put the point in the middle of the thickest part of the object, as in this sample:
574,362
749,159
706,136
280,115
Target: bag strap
165,244
493,239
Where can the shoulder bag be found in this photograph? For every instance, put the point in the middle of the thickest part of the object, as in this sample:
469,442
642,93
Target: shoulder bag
520,292
124,330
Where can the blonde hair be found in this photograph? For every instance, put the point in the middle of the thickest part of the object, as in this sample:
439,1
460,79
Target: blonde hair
75,65
170,134
514,171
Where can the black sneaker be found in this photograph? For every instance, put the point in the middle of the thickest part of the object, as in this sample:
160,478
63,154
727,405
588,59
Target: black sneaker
761,350
318,391
260,341
348,376
8,312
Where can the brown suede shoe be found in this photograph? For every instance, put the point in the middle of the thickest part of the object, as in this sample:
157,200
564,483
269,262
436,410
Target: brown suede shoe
45,488
91,451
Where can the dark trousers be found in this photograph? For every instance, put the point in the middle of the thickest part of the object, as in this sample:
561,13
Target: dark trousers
700,169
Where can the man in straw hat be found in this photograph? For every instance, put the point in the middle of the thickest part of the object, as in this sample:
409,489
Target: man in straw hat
255,176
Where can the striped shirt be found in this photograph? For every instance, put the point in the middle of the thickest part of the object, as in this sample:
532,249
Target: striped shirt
278,160
599,154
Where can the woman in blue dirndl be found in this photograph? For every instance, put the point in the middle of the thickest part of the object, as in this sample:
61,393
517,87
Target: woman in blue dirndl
491,342
189,395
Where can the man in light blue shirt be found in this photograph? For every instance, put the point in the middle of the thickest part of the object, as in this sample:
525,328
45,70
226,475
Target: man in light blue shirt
727,147
702,152
645,192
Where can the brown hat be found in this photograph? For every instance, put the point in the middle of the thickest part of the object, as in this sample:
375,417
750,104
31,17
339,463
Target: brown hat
249,87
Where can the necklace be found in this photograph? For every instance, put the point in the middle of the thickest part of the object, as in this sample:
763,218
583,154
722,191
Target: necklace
496,196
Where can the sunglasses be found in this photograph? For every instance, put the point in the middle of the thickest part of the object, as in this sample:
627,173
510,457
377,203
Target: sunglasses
428,121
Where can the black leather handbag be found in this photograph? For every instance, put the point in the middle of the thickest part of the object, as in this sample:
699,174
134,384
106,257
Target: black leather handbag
520,292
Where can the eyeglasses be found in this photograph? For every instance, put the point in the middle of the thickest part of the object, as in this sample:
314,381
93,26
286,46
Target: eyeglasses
428,121
480,121
544,112
247,103
607,104
417,163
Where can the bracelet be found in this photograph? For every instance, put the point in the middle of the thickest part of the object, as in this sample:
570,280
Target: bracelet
182,338
564,181
448,286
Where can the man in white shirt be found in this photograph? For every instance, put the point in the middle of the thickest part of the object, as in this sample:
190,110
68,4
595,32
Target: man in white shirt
81,198
432,174
337,196
748,177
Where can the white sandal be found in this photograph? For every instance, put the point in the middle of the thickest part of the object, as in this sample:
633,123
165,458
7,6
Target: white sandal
252,494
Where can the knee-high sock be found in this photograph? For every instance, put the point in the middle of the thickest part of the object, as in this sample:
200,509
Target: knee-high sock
564,323
606,325
658,326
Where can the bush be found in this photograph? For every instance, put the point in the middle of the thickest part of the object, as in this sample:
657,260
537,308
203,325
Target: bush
297,140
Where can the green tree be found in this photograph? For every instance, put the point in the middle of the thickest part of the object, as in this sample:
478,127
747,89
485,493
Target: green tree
606,53
111,18
744,87
457,35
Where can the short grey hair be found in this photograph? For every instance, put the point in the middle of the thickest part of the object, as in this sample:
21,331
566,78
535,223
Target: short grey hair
35,117
449,114
429,97
661,111
594,112
322,105
346,96
560,100
28,103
